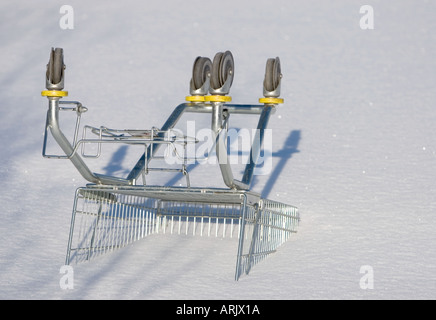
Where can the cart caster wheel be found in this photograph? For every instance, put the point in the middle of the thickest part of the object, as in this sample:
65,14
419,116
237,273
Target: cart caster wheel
223,69
55,70
273,75
200,72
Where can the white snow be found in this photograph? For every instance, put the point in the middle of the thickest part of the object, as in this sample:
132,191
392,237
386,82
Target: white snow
359,108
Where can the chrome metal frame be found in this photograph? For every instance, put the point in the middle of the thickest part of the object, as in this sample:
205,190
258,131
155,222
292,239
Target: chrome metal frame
219,111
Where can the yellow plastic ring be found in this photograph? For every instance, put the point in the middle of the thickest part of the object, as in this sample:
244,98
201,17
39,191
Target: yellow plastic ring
271,100
217,98
54,93
195,98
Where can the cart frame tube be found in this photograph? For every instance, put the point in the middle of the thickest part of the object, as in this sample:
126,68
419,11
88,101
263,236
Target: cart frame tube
216,109
53,124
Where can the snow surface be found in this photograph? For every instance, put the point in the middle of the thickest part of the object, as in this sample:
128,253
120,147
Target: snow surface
354,145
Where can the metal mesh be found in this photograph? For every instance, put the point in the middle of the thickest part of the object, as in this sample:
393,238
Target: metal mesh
105,220
198,218
101,223
265,227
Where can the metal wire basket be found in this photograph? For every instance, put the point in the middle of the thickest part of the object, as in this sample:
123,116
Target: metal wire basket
105,219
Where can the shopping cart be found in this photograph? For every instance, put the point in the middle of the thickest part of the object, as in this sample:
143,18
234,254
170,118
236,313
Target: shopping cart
111,212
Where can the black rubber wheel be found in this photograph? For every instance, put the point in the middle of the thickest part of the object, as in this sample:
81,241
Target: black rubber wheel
277,73
215,75
55,67
222,67
226,65
272,74
202,67
268,82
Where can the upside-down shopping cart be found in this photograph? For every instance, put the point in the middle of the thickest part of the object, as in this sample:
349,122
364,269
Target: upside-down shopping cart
111,212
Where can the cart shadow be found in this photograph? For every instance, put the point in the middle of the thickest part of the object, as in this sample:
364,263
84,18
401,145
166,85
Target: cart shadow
284,154
115,165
